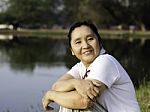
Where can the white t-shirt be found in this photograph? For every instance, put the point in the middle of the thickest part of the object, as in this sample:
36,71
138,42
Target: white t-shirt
120,94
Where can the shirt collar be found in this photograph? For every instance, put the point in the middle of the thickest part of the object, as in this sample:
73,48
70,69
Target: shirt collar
102,51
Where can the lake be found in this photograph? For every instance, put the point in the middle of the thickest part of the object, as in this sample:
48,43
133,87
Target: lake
30,65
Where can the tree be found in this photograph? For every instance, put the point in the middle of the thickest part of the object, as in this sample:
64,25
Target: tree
32,12
85,10
64,12
140,12
103,12
70,10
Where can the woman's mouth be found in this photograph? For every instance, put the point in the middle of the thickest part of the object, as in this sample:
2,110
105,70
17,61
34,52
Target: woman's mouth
87,52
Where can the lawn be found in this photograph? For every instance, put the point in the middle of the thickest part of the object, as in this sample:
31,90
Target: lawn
62,33
143,96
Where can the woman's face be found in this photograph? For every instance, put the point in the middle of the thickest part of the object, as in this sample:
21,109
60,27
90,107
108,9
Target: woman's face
84,44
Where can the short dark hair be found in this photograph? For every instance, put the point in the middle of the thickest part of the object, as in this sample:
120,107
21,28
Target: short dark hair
85,23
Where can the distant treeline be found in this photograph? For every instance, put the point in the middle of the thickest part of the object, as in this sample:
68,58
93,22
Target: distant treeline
62,13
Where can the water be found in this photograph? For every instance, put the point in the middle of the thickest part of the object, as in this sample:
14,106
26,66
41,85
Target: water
20,91
29,67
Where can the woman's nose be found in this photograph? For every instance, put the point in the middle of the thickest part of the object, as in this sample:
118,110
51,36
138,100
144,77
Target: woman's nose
85,45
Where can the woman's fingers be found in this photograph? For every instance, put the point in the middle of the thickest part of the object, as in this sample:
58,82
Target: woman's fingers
96,83
83,86
46,101
46,106
88,88
91,96
92,93
97,90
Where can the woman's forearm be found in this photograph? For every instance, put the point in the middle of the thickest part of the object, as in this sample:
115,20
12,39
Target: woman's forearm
64,85
79,98
69,99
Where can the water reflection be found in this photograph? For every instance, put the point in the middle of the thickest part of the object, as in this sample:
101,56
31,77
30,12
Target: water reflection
28,68
24,53
29,65
134,56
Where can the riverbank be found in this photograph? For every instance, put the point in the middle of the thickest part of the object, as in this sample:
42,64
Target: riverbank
143,96
36,33
62,33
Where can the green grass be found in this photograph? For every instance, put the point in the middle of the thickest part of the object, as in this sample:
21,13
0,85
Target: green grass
143,96
62,33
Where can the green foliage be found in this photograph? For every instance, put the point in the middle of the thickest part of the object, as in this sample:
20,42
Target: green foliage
143,96
31,11
140,12
63,12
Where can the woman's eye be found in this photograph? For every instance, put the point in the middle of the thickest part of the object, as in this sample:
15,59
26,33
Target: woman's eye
77,42
91,38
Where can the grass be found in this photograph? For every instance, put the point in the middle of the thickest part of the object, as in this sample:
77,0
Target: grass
143,96
36,33
62,33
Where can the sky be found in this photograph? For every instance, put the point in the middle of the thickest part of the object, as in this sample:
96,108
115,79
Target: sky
3,5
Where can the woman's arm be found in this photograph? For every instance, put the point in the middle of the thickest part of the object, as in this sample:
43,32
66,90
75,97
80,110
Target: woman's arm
86,88
64,83
73,99
70,99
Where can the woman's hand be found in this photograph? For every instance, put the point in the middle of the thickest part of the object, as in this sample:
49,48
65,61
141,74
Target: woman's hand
96,90
46,101
88,88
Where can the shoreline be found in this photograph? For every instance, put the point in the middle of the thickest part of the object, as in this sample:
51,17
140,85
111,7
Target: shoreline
62,33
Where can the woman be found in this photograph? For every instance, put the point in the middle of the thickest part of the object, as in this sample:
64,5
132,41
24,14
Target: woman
98,83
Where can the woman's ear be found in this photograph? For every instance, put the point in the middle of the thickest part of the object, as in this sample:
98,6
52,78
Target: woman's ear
72,52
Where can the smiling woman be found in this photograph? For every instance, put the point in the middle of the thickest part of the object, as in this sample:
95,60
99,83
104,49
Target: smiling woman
105,80
84,45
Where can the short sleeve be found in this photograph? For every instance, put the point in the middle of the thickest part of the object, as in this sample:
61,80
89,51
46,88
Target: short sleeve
105,70
74,71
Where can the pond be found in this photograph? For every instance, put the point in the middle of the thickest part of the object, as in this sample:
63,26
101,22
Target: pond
30,65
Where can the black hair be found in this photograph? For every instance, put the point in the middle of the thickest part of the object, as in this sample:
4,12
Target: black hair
85,23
